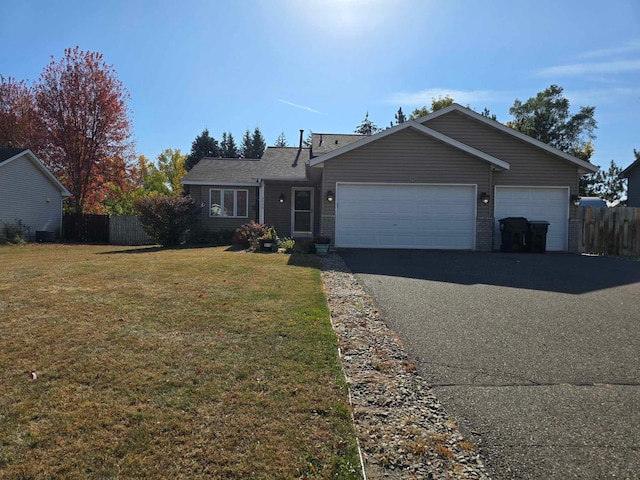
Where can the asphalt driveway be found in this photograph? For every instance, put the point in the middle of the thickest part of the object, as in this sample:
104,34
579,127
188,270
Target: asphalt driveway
537,356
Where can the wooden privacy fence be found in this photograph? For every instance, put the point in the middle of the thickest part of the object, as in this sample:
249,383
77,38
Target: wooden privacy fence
126,230
85,228
121,230
610,231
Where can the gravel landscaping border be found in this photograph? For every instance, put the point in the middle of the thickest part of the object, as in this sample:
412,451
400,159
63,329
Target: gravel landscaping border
403,431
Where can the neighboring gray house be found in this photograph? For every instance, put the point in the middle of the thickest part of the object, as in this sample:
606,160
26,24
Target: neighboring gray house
632,174
29,192
441,182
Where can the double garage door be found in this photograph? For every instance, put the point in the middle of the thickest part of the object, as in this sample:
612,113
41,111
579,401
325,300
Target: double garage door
406,216
439,216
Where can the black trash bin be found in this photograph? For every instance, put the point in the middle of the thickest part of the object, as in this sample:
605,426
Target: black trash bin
513,231
536,238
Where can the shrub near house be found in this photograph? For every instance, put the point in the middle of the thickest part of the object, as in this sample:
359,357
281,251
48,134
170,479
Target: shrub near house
167,219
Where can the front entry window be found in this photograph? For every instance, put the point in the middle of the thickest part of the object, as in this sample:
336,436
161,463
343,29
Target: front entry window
302,210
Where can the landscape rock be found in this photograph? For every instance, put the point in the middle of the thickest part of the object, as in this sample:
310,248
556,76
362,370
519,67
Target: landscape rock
403,430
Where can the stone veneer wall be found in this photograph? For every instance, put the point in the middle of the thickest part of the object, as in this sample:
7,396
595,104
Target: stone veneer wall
484,234
328,228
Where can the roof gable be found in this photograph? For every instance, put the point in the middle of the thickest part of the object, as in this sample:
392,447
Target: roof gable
17,153
509,131
496,162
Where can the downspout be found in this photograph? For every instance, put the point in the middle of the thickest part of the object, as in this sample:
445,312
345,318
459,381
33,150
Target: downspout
261,201
61,217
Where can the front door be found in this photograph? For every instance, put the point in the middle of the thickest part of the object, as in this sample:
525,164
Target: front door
302,211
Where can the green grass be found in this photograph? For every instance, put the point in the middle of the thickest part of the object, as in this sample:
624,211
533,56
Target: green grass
186,363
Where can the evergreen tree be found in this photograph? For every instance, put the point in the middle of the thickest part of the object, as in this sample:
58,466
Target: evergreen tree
258,143
308,142
400,117
609,185
367,127
281,141
203,146
228,147
246,146
487,113
253,145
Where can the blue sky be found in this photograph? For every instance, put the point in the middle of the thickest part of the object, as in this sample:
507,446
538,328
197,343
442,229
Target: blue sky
321,65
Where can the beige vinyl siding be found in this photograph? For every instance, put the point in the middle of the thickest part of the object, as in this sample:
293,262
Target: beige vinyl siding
200,194
405,157
279,214
24,191
530,166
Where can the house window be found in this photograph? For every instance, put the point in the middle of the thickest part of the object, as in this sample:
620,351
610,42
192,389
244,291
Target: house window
228,202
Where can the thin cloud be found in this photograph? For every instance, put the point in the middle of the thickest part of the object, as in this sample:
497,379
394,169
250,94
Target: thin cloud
601,96
629,47
299,106
424,97
616,66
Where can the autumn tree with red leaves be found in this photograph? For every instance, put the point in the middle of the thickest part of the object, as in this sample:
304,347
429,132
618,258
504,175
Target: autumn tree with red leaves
18,119
83,109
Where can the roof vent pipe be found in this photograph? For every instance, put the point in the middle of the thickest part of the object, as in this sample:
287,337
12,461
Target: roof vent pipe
301,133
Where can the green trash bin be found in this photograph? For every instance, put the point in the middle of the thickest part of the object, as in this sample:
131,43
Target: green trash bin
536,237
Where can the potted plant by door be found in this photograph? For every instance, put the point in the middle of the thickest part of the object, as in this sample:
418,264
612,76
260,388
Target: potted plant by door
268,240
322,244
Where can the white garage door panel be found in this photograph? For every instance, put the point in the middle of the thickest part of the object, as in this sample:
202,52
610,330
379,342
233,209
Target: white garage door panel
550,204
405,216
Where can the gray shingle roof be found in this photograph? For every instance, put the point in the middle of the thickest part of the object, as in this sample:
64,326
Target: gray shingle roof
627,170
7,153
286,163
328,142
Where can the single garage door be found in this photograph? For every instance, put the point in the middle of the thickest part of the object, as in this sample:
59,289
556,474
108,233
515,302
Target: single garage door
535,203
405,216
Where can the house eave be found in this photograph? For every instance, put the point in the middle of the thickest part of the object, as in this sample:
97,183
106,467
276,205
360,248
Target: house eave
224,184
285,179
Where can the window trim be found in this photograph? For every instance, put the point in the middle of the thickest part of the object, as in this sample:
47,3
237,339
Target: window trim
235,202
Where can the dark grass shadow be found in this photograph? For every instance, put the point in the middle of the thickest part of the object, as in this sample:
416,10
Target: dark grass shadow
304,260
159,248
555,272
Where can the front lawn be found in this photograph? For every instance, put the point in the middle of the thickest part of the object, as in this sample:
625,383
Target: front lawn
150,363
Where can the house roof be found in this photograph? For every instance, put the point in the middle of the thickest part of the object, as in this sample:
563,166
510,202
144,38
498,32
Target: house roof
585,166
627,170
10,152
277,163
322,143
364,140
8,155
